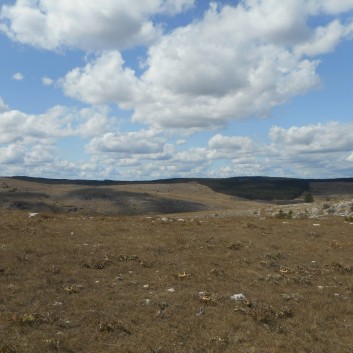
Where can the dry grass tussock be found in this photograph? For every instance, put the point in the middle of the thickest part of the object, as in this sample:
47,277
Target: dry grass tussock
73,283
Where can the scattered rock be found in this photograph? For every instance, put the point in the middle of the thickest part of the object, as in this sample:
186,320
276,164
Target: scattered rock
238,297
126,257
292,296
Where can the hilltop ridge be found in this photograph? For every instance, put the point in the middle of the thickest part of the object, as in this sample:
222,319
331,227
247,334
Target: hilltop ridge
247,187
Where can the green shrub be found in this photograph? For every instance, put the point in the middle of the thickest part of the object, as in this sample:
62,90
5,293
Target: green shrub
282,215
309,198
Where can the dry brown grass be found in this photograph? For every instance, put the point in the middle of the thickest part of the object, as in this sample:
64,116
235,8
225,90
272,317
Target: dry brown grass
131,199
136,284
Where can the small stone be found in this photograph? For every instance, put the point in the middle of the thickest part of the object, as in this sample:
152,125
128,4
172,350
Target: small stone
58,303
238,297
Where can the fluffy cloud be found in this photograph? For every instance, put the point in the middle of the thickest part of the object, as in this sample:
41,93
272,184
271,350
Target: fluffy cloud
18,76
29,142
12,154
320,150
324,39
27,155
311,139
140,142
57,122
85,24
306,151
47,81
333,6
102,81
230,142
311,7
235,62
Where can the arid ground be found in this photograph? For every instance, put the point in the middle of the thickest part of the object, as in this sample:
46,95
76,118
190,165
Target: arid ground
104,269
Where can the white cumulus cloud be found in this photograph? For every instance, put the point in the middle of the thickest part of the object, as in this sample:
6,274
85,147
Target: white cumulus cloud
334,6
85,24
103,80
47,81
220,141
18,76
139,142
235,62
324,39
57,122
228,65
318,138
12,154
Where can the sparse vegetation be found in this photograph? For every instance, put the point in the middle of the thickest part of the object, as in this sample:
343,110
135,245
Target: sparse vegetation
72,283
308,198
253,188
87,279
259,188
283,215
348,218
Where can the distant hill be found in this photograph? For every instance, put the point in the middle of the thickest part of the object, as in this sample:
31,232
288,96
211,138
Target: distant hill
252,188
260,188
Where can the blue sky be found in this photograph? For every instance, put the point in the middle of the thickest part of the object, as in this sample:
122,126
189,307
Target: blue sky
154,89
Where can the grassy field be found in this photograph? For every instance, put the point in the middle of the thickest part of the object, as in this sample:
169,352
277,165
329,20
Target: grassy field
251,188
80,283
125,199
